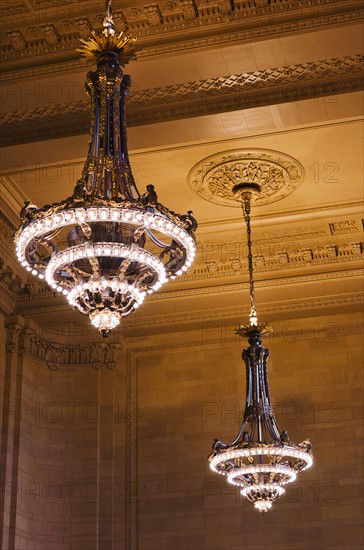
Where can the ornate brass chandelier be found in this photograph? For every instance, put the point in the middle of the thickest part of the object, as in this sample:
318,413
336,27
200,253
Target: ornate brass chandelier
262,459
106,246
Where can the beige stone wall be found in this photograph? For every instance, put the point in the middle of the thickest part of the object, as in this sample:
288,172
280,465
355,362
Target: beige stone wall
190,396
64,481
102,459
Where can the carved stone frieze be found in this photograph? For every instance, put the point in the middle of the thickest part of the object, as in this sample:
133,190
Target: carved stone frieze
83,26
9,280
12,336
17,41
75,332
49,3
7,234
50,34
24,341
204,97
277,174
227,259
216,260
164,22
14,8
12,280
345,227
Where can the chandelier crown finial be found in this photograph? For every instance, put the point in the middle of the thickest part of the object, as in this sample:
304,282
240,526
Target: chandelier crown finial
109,40
108,23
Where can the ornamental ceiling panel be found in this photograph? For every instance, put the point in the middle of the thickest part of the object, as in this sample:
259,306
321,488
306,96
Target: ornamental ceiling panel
246,91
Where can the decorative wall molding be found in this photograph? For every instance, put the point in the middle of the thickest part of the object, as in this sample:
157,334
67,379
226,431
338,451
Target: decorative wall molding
26,342
354,208
244,91
343,227
204,97
13,331
7,235
265,283
230,259
227,313
346,299
12,279
9,280
50,33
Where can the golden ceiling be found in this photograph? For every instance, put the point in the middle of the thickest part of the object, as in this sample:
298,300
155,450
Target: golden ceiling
212,77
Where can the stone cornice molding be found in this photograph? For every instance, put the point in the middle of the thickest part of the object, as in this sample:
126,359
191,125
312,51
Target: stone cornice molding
50,36
346,299
135,329
349,209
11,200
244,91
224,333
9,281
12,276
223,287
25,341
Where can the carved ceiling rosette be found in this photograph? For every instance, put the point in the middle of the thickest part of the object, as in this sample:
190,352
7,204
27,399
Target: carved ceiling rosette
214,177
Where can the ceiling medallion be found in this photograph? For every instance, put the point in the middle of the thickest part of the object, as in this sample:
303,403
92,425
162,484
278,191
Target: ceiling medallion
106,246
262,459
277,174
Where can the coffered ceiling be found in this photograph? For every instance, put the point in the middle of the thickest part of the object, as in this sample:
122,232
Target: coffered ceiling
280,76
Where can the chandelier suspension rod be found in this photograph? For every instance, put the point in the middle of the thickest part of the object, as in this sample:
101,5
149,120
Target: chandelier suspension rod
246,206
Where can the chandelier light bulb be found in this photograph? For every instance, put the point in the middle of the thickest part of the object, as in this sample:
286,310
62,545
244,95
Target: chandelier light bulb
105,320
106,246
263,506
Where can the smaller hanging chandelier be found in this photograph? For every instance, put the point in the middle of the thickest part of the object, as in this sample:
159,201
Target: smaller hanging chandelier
262,459
106,246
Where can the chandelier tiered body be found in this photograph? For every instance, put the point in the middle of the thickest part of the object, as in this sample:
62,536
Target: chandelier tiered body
106,246
262,459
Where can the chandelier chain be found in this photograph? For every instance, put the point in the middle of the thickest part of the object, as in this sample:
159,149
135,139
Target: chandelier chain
246,206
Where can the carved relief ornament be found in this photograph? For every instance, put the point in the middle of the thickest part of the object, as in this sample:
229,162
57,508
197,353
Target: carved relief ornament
24,341
214,177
